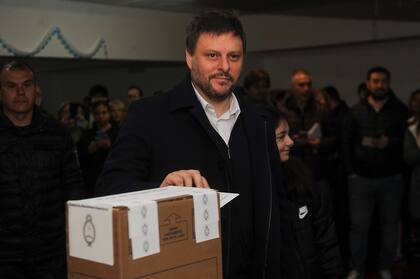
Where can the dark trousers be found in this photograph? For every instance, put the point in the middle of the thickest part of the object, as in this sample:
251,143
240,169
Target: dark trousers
364,195
41,267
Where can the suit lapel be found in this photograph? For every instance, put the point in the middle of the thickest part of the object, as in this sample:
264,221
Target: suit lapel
262,188
183,97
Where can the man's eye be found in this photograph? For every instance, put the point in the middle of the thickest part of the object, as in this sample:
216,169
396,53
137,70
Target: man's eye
211,55
235,57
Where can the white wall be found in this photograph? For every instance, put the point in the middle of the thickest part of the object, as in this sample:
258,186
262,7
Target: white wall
138,34
345,66
129,33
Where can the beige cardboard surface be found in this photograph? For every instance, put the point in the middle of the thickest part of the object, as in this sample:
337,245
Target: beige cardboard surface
180,256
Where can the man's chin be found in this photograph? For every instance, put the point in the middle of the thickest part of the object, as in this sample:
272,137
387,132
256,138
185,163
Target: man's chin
218,96
379,96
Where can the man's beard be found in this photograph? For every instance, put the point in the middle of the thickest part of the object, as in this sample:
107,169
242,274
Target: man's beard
379,95
208,90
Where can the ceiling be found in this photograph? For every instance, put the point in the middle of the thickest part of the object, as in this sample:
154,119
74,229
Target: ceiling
401,10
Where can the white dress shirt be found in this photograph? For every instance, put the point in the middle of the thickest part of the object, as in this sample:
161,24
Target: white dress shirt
223,124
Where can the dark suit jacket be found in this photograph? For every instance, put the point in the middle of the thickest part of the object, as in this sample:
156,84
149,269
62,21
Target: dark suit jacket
171,132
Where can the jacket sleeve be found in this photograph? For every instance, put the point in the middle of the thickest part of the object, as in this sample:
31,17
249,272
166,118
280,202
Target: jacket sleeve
411,150
128,164
324,235
71,175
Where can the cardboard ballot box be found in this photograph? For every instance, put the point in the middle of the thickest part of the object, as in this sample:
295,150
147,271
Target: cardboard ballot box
164,233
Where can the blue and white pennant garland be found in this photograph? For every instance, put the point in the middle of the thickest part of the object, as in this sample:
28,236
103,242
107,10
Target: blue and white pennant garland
55,32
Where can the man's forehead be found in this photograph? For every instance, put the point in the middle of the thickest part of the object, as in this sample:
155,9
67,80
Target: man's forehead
378,75
215,36
17,74
133,91
301,76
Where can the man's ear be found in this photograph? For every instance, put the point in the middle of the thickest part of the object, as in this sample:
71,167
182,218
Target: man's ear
188,59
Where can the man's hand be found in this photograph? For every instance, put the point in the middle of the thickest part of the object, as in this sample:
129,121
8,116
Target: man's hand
187,178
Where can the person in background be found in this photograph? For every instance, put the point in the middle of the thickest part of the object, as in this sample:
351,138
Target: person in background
336,175
95,144
72,115
39,172
373,159
97,92
310,126
412,159
257,85
321,99
118,111
38,95
312,250
134,93
362,91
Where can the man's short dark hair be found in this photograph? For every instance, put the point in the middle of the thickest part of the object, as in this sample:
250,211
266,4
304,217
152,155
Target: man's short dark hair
101,103
255,76
137,88
17,65
379,69
213,22
98,90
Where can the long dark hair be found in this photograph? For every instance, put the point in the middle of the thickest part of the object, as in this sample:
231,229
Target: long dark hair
410,106
299,179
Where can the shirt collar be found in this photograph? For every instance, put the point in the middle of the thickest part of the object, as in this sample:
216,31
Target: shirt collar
234,108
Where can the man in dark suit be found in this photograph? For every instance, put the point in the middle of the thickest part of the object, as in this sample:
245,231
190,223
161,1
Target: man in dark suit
202,134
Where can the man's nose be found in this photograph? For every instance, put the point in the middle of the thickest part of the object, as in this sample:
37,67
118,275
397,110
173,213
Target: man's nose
224,64
20,90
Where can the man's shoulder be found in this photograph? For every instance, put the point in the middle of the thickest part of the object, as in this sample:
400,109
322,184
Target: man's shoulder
50,129
250,108
148,106
150,101
398,104
50,123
